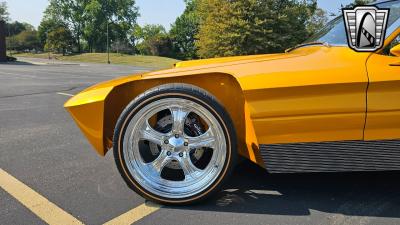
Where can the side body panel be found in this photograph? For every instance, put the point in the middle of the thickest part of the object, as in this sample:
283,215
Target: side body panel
383,118
321,97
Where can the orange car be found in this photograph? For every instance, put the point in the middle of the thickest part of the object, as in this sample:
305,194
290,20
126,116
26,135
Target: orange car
320,107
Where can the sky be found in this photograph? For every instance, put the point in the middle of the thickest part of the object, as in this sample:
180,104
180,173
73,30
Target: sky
162,12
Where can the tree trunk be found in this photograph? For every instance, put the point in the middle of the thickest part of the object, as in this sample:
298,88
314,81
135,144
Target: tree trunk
79,39
79,44
3,56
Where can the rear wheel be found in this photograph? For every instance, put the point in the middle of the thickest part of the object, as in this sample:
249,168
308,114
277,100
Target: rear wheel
175,144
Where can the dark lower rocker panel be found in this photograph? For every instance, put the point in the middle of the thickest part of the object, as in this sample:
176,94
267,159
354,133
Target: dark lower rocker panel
341,156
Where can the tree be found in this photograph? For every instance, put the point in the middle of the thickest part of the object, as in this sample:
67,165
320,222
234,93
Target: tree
183,32
121,16
16,27
26,40
59,40
4,15
241,27
46,26
70,12
21,36
88,19
153,40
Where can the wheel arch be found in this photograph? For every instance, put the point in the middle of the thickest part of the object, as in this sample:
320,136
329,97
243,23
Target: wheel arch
223,86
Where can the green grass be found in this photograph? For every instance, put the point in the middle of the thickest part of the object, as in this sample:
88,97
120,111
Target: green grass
115,58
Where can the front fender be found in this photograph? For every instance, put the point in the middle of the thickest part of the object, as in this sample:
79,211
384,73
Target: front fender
96,110
88,110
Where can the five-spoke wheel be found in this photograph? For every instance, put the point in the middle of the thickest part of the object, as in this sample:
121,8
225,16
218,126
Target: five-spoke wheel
174,144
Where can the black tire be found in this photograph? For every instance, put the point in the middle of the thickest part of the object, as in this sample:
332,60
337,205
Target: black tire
188,92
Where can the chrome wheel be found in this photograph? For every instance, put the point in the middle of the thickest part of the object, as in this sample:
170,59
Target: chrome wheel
174,148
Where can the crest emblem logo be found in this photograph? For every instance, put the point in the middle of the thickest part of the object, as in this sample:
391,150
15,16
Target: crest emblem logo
365,27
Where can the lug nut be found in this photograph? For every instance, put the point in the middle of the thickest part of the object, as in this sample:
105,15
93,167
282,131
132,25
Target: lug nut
168,153
185,144
181,154
166,142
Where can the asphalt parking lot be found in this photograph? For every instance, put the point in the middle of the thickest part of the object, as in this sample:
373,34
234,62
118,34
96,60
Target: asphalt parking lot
44,155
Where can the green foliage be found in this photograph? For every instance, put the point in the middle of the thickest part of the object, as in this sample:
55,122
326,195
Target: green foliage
16,27
241,27
207,28
46,26
149,31
69,12
25,40
184,30
4,15
121,16
59,40
21,37
153,40
88,19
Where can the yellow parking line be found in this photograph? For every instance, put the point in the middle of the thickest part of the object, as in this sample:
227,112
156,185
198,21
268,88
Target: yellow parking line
135,214
39,205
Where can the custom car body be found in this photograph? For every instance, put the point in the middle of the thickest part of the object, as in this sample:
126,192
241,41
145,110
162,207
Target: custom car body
317,107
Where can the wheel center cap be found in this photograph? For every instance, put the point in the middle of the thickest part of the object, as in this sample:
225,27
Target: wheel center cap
177,143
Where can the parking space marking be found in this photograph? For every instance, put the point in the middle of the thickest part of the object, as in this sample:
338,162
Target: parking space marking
66,94
135,214
39,205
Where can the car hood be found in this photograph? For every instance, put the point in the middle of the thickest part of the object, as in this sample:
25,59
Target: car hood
223,60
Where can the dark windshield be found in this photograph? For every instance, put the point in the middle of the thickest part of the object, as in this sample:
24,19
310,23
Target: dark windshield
334,32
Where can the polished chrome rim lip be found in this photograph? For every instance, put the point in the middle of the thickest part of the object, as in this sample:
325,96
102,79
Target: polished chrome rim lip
147,174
